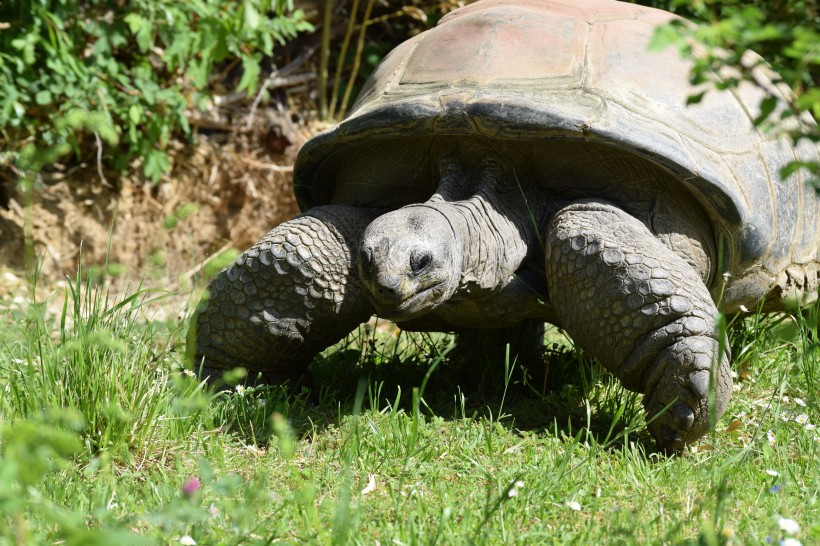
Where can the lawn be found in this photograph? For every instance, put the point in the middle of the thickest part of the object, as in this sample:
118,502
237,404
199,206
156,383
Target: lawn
107,438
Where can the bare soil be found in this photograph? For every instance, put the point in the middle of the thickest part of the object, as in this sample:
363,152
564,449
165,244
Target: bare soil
225,191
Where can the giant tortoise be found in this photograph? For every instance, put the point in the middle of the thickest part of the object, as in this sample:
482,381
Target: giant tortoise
532,160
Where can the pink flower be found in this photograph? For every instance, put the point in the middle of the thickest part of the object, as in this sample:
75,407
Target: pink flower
191,487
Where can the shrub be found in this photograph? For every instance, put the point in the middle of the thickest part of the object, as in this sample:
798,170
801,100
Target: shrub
116,79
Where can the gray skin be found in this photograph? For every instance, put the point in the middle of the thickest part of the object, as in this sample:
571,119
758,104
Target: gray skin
531,161
461,258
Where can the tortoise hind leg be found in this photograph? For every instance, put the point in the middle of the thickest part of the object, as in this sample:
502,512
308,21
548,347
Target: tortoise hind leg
285,299
481,355
638,307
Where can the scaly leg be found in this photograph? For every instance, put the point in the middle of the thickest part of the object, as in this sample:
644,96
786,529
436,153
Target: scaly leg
638,307
291,295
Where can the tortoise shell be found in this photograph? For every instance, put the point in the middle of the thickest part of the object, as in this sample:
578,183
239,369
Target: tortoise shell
572,93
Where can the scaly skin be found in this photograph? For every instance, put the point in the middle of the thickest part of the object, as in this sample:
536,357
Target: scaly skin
285,299
634,304
465,244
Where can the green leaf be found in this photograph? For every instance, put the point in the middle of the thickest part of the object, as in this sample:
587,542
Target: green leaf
37,447
156,164
696,98
664,36
810,100
767,106
250,74
42,98
145,38
198,71
135,113
135,22
142,29
250,15
220,262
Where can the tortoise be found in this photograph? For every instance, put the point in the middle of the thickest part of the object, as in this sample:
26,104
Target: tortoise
531,160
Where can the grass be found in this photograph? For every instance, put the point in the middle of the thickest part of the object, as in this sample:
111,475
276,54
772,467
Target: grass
106,439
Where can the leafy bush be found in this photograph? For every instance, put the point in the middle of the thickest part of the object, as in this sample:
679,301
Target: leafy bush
785,34
75,75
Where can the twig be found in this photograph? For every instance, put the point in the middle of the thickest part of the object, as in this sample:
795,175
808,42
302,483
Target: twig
269,166
327,19
99,160
258,98
198,267
275,82
298,61
342,54
357,59
212,176
208,123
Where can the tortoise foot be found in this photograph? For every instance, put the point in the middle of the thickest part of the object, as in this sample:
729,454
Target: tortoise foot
678,388
644,312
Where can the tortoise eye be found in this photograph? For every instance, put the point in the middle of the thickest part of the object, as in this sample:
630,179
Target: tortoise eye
420,262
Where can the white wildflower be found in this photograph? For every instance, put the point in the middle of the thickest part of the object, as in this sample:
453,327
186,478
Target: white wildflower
773,473
574,506
800,402
213,510
240,390
802,419
743,308
788,526
513,492
770,435
189,373
790,542
371,485
187,540
253,449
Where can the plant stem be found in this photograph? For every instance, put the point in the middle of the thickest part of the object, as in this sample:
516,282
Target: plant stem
327,21
358,57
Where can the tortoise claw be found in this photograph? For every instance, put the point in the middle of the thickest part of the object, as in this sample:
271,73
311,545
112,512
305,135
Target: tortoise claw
670,440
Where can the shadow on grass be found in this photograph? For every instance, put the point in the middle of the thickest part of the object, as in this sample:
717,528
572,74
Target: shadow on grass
561,392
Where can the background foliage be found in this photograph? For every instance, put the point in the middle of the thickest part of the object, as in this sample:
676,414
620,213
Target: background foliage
77,75
117,80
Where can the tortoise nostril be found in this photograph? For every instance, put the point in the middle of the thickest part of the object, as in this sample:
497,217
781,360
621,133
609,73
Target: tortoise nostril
388,294
420,262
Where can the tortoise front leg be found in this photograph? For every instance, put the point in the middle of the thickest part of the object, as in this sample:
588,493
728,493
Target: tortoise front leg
291,295
638,307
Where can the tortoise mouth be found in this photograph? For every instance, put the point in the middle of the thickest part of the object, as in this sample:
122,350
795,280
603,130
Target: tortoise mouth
415,305
421,302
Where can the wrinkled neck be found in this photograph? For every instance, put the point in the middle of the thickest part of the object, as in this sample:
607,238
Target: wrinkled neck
490,217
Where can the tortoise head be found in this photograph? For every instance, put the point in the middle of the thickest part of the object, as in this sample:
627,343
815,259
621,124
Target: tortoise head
409,262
